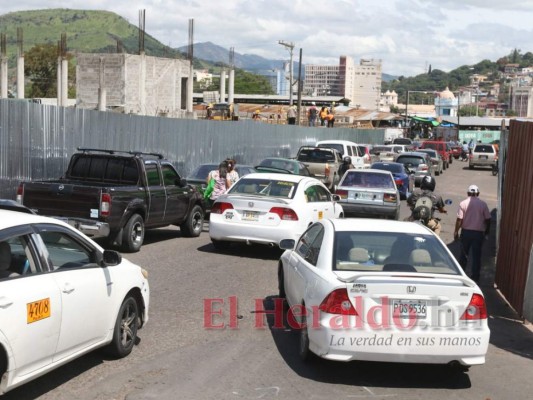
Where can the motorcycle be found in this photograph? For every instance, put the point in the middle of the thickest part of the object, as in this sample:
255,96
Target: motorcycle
423,214
464,155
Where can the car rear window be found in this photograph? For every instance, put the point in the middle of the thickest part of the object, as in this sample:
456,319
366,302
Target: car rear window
484,148
316,155
381,149
390,252
368,179
412,160
265,187
202,171
338,147
105,169
434,146
394,168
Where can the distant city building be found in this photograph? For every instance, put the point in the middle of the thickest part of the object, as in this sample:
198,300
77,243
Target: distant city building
361,83
446,104
388,99
203,78
522,100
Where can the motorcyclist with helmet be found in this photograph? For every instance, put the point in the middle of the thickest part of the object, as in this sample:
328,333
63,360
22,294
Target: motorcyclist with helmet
345,166
420,210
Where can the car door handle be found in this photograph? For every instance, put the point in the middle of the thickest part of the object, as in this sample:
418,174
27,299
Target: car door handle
68,288
5,303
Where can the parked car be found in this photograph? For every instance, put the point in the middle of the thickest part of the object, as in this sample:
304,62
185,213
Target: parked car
384,153
402,140
62,296
340,272
265,208
368,156
417,163
369,193
404,179
346,148
443,149
283,166
117,195
199,175
455,149
323,163
436,160
483,155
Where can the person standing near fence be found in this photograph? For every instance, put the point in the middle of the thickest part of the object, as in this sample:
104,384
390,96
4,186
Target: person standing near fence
473,218
291,115
312,114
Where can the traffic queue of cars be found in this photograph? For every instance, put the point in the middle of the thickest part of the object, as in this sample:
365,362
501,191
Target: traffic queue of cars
333,271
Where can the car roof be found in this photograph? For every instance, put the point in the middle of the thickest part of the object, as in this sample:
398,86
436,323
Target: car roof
386,163
337,142
370,170
273,175
9,219
377,225
281,159
412,153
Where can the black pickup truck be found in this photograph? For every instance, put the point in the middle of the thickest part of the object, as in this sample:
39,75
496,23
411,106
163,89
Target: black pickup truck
117,195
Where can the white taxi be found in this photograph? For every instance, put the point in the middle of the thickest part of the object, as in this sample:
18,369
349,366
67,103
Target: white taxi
265,208
61,296
387,291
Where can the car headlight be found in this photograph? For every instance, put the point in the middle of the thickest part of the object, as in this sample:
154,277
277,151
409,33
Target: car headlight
145,273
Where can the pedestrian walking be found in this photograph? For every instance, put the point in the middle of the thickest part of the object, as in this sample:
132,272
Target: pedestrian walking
471,146
218,182
232,174
312,114
322,115
473,218
330,118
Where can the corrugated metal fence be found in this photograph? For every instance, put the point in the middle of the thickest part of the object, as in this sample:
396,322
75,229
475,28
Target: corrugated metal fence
36,141
515,239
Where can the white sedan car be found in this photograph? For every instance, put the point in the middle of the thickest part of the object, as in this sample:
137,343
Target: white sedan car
378,290
61,296
265,208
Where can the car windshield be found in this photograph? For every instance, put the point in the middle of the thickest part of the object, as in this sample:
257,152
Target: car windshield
409,160
430,145
264,187
394,168
391,251
432,153
202,171
367,179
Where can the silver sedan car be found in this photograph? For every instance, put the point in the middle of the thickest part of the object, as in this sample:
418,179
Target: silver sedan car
370,193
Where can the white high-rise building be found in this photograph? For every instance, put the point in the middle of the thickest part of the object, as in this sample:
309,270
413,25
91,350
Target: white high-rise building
361,83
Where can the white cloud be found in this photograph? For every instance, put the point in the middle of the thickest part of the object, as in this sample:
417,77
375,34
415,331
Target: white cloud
405,34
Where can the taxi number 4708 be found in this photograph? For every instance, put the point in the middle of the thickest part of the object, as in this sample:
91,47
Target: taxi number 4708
38,310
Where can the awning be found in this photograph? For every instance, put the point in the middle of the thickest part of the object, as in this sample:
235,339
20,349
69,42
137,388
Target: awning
431,121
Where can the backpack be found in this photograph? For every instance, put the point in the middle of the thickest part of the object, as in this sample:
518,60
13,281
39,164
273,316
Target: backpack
423,209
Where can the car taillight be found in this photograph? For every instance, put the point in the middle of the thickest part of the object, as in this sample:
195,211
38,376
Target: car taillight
423,167
338,302
219,208
285,214
343,194
327,170
398,182
476,309
20,194
388,197
105,204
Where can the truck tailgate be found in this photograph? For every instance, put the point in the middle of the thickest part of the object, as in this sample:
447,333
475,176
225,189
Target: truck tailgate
54,198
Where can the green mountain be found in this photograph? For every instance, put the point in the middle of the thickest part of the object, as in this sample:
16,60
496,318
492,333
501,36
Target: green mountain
87,31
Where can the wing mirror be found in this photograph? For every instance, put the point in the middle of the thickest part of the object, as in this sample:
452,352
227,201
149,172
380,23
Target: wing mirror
112,257
336,197
287,244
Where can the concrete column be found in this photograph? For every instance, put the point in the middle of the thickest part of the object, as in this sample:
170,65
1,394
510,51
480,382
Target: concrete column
59,91
231,85
190,89
20,77
64,82
223,86
102,95
142,85
3,78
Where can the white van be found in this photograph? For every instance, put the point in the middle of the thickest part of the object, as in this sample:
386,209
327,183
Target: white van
346,148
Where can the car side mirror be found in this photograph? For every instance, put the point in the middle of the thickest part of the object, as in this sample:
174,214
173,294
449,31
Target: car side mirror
182,182
287,244
336,197
112,257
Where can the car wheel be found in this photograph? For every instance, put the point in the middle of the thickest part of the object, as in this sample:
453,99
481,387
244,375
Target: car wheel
281,282
220,244
437,173
126,325
194,224
303,343
471,167
133,235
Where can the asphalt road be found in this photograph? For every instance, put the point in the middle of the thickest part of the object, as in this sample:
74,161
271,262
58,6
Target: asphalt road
178,358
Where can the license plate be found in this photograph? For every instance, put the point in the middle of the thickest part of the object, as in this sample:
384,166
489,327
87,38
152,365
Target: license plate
250,216
38,310
409,308
483,157
365,196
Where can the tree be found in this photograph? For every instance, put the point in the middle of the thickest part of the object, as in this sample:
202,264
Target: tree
511,113
468,111
40,65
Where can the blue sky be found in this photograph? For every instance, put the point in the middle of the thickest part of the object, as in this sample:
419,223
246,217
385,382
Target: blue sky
407,35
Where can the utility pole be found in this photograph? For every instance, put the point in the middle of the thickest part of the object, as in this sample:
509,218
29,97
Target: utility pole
290,47
299,108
